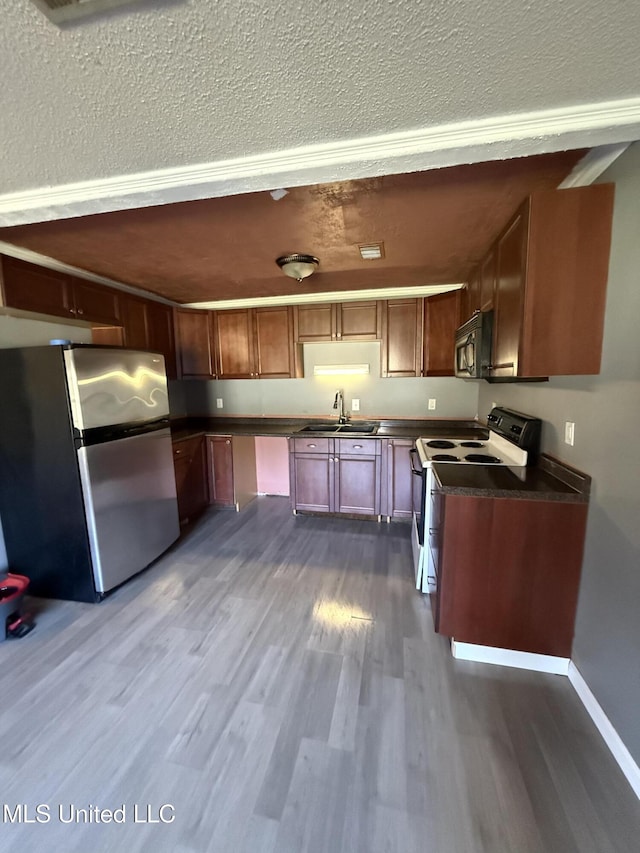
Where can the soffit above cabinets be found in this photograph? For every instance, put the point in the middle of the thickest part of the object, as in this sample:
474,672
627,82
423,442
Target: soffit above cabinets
434,225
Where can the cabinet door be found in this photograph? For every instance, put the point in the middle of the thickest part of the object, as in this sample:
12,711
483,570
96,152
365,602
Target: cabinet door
398,480
312,479
358,321
402,337
357,484
220,455
134,320
235,350
509,295
315,322
441,315
95,302
189,459
487,280
160,334
274,348
194,344
473,292
32,288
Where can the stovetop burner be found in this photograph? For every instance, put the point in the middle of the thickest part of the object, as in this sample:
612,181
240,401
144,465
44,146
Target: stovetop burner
471,444
482,459
444,457
440,444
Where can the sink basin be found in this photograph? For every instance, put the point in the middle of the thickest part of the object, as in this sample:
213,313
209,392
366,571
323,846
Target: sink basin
358,429
342,429
320,428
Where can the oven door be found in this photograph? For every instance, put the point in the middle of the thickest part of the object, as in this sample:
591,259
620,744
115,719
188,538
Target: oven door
421,506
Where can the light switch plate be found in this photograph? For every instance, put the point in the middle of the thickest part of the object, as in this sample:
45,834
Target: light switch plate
219,403
355,405
432,403
569,432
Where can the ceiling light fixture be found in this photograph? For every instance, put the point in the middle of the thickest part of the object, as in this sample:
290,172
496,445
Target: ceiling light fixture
298,266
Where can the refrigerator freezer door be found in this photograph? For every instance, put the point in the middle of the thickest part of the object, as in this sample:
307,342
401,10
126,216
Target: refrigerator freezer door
129,491
115,386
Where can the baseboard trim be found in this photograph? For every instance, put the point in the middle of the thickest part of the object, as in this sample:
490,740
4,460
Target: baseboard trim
610,736
509,657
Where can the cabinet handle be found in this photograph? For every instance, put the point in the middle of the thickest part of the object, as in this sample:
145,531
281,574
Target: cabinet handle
177,452
433,531
357,447
228,441
339,335
311,445
80,310
71,311
432,580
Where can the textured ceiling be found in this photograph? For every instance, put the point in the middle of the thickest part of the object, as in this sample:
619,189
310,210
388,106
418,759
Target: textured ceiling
435,225
166,84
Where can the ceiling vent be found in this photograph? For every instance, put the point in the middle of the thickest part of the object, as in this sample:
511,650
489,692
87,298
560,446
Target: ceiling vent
61,11
371,251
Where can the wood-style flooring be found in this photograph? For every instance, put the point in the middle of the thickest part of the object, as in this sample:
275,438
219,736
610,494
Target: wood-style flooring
277,680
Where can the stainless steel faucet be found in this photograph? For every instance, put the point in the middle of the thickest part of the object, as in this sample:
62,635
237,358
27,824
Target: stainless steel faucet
338,404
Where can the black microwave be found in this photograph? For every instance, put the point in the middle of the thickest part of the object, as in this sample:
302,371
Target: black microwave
473,346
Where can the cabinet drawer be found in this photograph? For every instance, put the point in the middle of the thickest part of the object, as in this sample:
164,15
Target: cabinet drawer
311,445
358,447
187,447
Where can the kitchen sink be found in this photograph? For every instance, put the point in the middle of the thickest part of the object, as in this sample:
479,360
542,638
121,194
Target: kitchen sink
364,428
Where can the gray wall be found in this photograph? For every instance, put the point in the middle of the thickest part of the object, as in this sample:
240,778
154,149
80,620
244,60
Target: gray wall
17,332
313,395
606,412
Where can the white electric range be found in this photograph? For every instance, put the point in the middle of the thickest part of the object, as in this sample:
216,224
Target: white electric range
513,441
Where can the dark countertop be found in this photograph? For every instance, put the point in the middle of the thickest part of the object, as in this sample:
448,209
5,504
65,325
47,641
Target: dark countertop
549,480
287,427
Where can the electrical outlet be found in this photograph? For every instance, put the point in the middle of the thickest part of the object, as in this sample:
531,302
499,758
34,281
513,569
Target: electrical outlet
219,403
432,403
569,432
355,405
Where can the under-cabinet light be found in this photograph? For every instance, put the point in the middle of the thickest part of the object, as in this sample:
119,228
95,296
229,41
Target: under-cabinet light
340,369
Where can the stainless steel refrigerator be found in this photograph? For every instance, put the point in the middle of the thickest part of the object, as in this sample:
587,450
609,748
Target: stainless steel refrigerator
87,484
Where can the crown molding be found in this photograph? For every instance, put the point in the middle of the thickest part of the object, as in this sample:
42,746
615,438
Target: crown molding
592,165
495,138
326,296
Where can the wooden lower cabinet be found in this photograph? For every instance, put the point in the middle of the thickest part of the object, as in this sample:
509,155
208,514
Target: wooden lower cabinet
336,475
397,479
190,462
507,571
231,464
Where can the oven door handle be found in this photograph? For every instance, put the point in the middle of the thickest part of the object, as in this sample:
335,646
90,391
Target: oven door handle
412,454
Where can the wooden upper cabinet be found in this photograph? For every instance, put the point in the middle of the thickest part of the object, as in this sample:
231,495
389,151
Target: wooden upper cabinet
358,321
274,347
234,343
255,343
194,344
314,323
441,317
552,264
134,320
160,334
29,287
471,302
402,337
95,303
338,321
509,294
487,275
